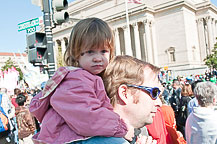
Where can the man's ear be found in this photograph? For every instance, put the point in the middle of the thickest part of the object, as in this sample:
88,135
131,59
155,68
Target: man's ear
122,93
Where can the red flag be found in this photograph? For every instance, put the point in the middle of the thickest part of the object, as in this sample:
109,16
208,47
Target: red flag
135,1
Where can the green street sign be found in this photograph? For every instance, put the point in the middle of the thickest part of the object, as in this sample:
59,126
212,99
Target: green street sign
30,30
28,24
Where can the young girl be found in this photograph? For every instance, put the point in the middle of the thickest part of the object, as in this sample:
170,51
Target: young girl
73,105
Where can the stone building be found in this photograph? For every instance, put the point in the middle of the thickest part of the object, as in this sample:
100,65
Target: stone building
20,58
177,34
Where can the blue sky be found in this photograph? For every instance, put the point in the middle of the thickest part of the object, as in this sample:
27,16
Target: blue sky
14,12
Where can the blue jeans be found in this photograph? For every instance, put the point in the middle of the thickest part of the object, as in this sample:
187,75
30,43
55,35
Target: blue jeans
102,140
16,131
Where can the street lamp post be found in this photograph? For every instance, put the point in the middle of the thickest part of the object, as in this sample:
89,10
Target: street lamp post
49,38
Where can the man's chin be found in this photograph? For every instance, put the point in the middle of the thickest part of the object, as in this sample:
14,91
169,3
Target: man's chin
150,121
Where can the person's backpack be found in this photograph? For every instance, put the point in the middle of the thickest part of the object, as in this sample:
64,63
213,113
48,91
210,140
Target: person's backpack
183,111
4,122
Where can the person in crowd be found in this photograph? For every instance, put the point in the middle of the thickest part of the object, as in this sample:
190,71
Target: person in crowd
193,102
189,80
213,79
176,96
166,93
7,136
170,89
13,99
170,122
74,104
25,121
201,126
158,129
181,118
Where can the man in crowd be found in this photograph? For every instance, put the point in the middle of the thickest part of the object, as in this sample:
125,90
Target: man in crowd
133,87
176,96
25,121
201,126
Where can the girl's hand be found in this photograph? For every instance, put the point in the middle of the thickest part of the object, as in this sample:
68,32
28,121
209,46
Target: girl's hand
145,140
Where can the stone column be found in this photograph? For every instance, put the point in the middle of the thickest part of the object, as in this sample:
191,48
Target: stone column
117,42
55,51
154,43
214,30
148,41
137,40
210,35
127,41
201,38
63,47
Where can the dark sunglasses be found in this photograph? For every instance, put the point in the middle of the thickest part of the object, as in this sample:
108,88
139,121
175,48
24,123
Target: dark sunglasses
154,92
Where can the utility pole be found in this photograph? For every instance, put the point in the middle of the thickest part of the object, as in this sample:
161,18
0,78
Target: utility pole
59,15
49,38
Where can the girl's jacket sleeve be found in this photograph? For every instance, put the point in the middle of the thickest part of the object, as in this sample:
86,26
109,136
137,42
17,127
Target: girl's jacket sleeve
82,102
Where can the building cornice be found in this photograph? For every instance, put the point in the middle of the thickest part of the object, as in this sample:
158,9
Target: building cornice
81,4
206,6
172,4
131,12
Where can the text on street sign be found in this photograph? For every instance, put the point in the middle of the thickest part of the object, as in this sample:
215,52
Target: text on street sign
28,24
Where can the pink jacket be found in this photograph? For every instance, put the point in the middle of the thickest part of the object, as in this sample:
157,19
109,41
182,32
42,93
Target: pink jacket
74,106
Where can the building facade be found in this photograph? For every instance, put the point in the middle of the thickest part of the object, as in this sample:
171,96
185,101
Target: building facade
177,34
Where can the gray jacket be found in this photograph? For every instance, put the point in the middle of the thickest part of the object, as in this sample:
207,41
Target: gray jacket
201,126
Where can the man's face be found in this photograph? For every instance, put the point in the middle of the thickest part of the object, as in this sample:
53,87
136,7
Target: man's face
142,112
175,86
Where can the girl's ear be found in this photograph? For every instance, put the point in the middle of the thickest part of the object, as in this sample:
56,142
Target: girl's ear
122,94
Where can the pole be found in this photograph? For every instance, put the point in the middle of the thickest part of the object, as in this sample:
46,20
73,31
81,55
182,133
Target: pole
49,38
129,51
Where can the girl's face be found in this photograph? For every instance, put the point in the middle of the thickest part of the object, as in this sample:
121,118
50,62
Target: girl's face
94,60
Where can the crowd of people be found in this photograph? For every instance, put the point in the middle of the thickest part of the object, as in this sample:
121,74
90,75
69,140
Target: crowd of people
20,124
189,99
99,98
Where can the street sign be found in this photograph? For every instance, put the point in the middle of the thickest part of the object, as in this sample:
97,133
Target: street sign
28,24
30,30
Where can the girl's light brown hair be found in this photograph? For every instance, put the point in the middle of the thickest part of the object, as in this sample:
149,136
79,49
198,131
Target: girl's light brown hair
90,33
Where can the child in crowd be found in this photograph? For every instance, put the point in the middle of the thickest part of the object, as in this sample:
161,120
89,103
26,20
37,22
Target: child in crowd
25,121
73,105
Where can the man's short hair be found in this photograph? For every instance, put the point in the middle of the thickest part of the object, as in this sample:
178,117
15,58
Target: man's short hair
17,91
21,99
205,92
176,81
124,70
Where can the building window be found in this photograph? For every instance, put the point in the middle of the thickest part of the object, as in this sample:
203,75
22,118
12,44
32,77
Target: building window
172,57
171,54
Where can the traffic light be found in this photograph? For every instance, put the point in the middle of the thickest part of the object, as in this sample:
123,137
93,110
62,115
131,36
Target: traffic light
36,45
59,9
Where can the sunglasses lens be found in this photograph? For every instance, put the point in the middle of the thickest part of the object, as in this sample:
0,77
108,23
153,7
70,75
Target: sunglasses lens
155,92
